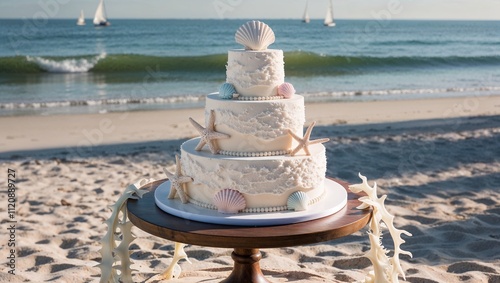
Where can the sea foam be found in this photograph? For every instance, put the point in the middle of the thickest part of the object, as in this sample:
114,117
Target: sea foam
71,65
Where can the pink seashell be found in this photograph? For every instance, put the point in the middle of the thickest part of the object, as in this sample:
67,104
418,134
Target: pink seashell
229,201
286,90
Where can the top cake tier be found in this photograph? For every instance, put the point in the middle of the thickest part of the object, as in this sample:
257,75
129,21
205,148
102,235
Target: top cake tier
255,73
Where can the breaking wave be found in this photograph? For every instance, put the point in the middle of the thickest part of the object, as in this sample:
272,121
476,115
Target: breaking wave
70,65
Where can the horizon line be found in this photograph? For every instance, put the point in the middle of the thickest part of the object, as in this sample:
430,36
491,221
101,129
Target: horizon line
297,18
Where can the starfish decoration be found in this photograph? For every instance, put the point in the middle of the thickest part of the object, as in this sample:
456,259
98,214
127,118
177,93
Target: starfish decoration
304,142
208,134
177,181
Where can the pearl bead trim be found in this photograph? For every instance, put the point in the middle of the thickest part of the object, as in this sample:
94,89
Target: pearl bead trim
254,154
253,98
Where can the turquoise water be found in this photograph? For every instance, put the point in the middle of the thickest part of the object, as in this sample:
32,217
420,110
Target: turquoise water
57,67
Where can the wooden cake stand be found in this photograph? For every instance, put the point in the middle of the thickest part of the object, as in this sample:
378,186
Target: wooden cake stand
246,241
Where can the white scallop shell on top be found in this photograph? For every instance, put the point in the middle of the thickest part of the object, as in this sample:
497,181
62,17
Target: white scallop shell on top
255,35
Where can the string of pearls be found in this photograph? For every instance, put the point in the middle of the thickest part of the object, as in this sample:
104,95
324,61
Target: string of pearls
203,204
317,199
254,154
253,98
265,209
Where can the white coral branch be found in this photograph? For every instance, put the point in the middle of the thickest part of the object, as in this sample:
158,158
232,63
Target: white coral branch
122,251
385,269
174,269
110,252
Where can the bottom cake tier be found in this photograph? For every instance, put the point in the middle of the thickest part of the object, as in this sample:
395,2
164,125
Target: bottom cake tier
334,200
266,182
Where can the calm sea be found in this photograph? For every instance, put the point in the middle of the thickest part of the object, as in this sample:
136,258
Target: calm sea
57,67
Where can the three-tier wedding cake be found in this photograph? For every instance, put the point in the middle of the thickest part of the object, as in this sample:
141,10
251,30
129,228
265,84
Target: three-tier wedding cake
252,155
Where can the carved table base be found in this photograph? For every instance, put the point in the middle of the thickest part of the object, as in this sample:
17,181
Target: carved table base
246,267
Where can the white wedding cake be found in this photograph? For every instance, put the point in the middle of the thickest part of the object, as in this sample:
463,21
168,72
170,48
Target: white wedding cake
252,155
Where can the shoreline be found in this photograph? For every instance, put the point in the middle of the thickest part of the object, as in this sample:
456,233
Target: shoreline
81,130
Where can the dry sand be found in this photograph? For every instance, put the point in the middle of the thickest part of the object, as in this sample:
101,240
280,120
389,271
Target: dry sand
438,160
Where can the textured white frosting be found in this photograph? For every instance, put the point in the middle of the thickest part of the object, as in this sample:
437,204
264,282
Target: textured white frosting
255,73
257,126
263,181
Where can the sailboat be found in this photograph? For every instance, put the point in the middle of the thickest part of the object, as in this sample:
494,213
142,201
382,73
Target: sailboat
100,15
81,19
305,18
329,16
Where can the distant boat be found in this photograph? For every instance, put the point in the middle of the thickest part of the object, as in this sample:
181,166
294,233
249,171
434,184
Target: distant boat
81,19
329,16
305,18
100,18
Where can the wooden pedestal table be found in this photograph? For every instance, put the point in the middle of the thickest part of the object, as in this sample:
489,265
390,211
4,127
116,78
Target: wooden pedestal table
246,241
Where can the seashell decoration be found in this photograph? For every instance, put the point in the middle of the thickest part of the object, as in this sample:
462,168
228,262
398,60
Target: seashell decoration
298,201
286,90
227,91
229,201
255,35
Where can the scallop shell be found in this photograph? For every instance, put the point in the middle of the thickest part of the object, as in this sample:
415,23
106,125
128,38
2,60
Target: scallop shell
286,90
255,35
229,201
298,201
226,91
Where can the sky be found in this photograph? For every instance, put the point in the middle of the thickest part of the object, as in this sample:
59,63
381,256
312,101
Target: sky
255,9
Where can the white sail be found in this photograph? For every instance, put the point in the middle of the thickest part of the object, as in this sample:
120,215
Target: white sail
81,19
305,18
329,16
100,15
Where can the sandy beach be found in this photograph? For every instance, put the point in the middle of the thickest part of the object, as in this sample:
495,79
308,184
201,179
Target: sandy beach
438,160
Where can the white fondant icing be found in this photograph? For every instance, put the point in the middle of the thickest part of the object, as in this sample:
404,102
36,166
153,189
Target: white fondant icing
255,73
257,126
264,181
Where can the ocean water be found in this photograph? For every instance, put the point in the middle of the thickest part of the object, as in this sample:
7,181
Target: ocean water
57,67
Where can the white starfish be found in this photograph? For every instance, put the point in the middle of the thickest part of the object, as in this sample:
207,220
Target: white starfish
177,181
208,134
305,142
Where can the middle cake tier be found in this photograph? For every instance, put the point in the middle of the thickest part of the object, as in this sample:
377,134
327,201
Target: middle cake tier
256,126
265,182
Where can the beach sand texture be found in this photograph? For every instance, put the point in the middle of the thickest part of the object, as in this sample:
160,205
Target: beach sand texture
438,160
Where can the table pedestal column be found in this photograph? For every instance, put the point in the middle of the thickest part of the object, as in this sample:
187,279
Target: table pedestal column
246,267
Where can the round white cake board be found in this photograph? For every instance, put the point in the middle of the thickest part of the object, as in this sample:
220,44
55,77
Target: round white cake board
334,200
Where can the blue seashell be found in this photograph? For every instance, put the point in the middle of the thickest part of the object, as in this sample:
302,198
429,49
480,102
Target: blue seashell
298,201
226,91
